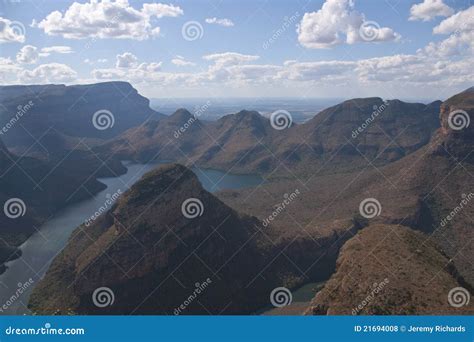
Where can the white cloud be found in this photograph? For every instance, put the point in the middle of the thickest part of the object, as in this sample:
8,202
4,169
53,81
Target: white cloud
61,49
230,58
180,61
28,54
222,22
91,62
338,22
141,73
149,67
312,71
107,19
8,70
108,74
254,73
48,73
127,67
126,60
460,22
155,32
161,10
460,28
430,9
389,68
11,31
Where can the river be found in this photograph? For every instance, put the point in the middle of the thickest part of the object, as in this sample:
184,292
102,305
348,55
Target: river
41,248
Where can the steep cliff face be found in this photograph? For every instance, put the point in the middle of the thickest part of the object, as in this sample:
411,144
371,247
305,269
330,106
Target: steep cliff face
457,129
390,270
66,112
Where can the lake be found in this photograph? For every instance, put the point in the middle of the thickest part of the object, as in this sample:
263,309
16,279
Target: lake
41,248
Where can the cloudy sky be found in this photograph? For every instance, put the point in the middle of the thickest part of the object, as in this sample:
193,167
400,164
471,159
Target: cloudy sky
334,48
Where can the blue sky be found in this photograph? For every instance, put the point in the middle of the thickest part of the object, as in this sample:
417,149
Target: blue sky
331,48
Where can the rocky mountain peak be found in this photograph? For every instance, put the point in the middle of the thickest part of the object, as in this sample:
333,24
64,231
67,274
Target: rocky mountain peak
181,116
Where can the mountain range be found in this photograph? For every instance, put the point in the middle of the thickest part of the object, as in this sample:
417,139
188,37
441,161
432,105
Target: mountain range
409,158
246,141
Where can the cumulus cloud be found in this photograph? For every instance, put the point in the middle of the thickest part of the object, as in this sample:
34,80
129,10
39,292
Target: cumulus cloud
11,31
460,41
107,19
126,60
127,67
8,70
180,61
28,54
338,22
48,73
222,22
460,22
430,9
236,69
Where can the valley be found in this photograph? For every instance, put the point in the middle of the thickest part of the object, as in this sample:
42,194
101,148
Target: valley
296,219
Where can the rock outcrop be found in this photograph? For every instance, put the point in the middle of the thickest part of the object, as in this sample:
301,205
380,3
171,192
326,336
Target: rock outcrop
387,270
